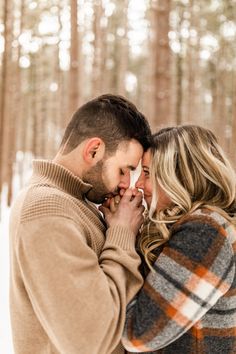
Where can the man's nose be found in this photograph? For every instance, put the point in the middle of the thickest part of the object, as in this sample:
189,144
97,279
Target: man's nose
125,181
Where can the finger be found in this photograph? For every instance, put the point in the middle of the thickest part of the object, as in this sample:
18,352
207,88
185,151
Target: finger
106,212
141,219
140,214
140,204
122,192
117,199
127,195
142,207
137,199
114,202
113,205
106,203
135,191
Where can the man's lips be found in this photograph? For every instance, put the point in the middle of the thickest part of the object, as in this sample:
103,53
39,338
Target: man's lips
112,194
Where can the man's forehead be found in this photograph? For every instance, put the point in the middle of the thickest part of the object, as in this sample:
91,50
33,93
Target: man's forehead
128,154
132,164
130,167
131,144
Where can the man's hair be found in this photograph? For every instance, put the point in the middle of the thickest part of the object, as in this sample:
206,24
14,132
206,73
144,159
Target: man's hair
109,117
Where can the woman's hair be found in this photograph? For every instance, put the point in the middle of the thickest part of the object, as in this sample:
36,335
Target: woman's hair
193,171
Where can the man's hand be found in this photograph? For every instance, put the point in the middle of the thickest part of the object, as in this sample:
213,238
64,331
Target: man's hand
128,212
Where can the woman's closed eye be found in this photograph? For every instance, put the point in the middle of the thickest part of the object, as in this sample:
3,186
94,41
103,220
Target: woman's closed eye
146,172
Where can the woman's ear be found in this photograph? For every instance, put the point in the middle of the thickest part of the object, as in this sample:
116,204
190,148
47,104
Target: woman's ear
93,151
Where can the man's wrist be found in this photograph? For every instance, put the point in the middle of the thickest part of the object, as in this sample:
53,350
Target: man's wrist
122,236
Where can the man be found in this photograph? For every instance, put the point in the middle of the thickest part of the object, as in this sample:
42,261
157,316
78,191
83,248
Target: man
71,279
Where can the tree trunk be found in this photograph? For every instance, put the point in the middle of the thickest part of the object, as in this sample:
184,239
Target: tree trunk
193,69
123,52
74,60
220,118
233,138
161,69
6,94
97,49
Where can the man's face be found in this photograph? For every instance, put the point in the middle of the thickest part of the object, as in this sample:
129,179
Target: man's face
111,174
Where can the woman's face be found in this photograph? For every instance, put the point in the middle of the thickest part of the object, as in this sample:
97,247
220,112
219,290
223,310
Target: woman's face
144,183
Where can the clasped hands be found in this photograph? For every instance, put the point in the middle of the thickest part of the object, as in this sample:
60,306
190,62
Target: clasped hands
125,210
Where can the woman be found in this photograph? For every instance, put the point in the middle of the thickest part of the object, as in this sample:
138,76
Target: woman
188,301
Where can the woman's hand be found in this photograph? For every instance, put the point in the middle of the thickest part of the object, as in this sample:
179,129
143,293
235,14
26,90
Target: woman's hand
126,210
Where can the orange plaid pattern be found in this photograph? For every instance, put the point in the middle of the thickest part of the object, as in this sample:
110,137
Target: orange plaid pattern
188,304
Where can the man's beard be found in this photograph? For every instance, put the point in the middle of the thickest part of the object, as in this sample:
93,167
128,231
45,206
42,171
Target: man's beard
99,192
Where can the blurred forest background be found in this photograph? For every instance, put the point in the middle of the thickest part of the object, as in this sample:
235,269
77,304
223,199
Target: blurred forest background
175,59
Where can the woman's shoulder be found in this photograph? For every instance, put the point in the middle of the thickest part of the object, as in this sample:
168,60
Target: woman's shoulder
203,235
207,218
206,213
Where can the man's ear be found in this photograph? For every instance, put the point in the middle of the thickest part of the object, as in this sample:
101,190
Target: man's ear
93,151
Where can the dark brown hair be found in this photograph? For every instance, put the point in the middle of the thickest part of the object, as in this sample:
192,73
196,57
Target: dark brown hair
109,117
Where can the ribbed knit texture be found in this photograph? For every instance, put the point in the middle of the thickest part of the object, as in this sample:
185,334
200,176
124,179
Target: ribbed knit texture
188,303
70,278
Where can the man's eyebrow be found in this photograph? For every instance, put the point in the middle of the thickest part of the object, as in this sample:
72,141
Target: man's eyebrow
132,168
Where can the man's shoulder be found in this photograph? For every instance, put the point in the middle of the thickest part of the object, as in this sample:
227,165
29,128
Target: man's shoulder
43,200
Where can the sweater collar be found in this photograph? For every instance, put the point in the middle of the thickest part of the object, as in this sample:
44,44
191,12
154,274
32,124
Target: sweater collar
51,173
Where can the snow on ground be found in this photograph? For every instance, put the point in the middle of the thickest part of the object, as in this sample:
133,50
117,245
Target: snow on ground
22,174
5,330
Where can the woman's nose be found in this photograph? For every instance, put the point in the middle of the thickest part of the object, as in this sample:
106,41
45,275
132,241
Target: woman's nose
139,183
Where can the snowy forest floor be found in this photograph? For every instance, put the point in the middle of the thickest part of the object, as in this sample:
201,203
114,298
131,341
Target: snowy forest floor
5,331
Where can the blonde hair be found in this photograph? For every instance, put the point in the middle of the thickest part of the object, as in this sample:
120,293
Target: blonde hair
193,171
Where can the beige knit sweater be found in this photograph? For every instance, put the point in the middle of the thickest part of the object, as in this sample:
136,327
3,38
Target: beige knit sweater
70,278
